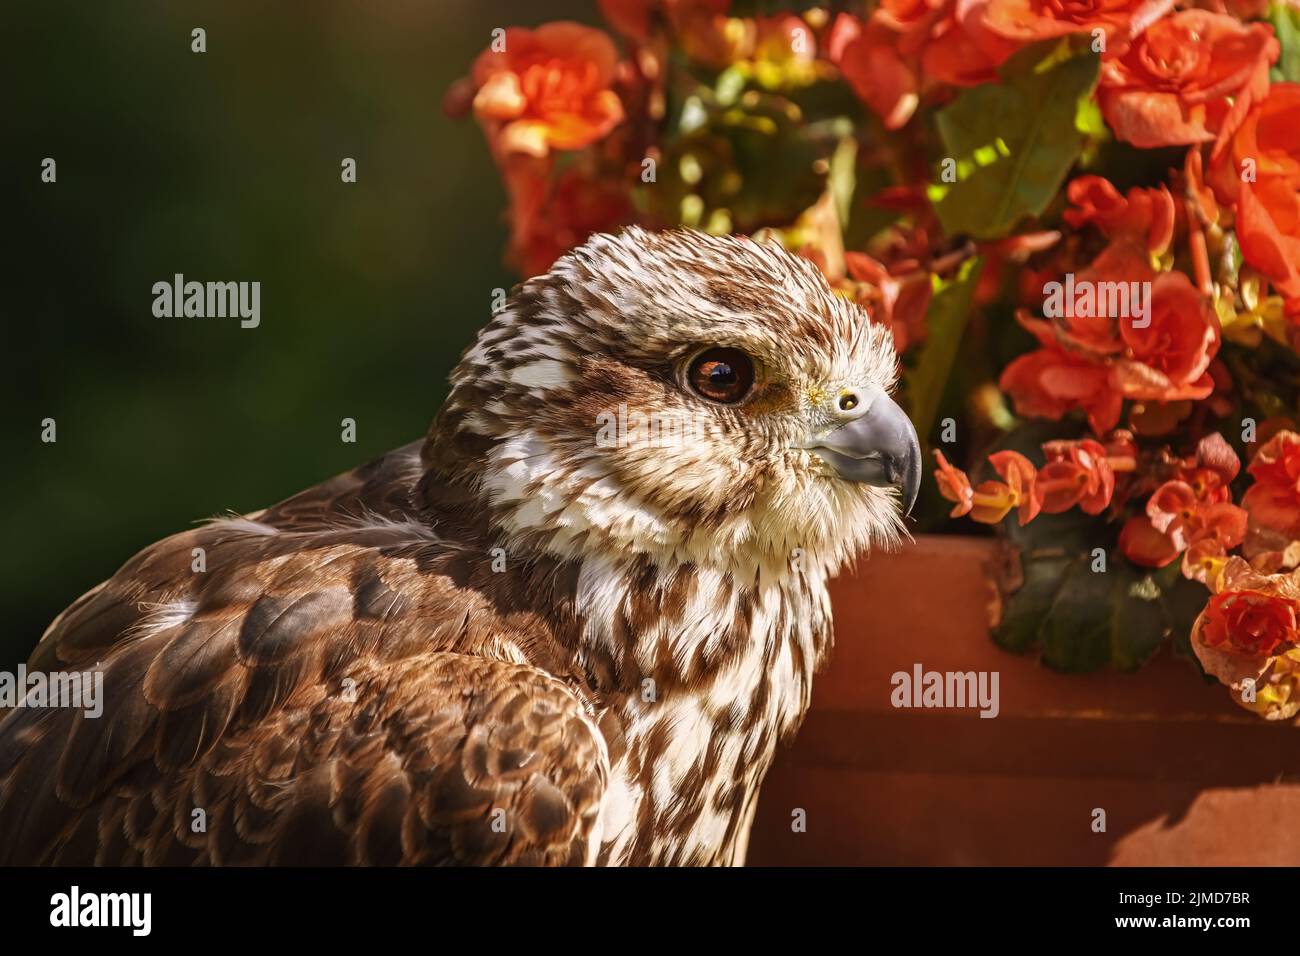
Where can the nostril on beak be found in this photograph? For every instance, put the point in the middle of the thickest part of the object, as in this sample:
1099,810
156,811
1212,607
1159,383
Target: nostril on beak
876,444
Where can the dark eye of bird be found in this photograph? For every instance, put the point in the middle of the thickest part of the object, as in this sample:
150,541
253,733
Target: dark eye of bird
722,375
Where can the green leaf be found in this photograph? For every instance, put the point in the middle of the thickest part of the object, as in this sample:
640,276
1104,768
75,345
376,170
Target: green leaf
1062,608
1140,623
1088,119
1083,619
1286,24
945,322
1075,635
1025,610
1014,141
1183,601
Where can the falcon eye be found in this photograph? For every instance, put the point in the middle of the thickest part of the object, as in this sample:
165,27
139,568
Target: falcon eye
721,375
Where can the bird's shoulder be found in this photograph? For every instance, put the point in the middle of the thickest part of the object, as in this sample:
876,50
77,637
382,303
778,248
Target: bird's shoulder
329,680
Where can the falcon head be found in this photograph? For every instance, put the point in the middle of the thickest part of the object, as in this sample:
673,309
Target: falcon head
685,397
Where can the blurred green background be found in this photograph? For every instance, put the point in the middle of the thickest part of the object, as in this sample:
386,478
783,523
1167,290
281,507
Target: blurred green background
225,166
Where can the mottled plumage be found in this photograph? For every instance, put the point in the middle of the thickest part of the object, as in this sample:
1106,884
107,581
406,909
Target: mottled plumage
513,642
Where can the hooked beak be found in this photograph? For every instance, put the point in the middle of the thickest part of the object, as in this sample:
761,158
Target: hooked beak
878,448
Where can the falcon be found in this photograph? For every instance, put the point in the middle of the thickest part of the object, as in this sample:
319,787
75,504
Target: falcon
569,626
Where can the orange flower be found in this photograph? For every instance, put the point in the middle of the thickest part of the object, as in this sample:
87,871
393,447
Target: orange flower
953,485
1259,171
1246,636
1201,200
1171,508
1147,214
550,217
1094,327
899,302
1122,450
1142,544
637,18
1268,230
1250,622
991,501
963,51
1093,357
1184,519
1222,522
905,41
1020,476
1274,499
875,67
1202,559
549,89
1176,510
1076,473
1175,83
1170,356
1241,9
1199,532
1192,512
1030,20
1050,382
1210,470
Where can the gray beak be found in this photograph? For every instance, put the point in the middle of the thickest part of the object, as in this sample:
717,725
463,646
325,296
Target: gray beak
878,448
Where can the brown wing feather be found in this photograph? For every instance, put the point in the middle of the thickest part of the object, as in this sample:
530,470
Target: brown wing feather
324,693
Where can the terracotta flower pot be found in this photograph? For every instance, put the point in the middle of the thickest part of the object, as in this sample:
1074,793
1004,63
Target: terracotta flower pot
1184,776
